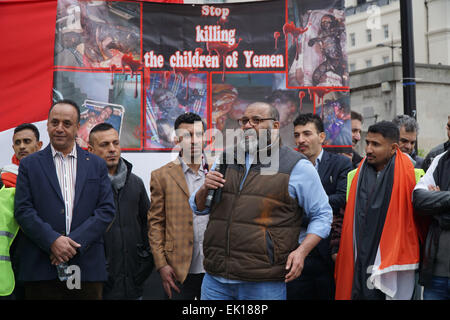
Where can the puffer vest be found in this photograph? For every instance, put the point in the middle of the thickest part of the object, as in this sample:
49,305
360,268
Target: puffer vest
252,231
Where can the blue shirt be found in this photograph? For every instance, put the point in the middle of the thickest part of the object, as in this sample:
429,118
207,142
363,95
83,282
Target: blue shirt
304,186
318,160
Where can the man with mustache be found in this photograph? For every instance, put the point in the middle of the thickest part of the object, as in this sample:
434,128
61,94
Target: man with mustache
25,142
251,242
357,121
379,247
63,204
316,281
409,129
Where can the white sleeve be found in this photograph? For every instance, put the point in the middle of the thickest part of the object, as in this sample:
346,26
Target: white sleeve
428,178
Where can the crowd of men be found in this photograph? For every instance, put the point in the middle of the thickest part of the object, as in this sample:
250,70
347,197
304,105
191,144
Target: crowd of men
261,221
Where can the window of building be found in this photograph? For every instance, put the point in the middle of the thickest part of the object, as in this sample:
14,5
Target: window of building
352,67
369,63
386,60
352,39
386,31
369,35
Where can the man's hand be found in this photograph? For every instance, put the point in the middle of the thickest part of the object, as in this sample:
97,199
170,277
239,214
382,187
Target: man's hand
53,260
334,257
213,180
63,249
168,278
433,188
295,263
296,259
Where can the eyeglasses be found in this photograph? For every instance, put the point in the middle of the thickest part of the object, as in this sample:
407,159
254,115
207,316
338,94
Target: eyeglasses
448,126
253,121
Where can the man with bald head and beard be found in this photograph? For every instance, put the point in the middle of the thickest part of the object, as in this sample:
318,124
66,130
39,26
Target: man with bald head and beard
251,243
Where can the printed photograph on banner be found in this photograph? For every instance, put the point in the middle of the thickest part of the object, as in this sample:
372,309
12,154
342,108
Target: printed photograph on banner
96,112
316,35
231,97
97,34
168,95
114,98
334,109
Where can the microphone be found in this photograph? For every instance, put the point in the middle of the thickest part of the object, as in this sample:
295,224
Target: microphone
216,194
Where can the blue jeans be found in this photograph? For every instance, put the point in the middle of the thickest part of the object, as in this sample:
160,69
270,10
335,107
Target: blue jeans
244,290
439,289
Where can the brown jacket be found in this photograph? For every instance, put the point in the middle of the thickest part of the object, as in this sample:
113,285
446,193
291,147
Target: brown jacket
171,233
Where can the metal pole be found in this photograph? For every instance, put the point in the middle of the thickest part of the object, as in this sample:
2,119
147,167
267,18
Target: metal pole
408,61
392,48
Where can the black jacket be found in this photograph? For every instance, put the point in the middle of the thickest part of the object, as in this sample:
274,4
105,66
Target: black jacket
437,205
356,159
434,153
128,255
419,160
333,171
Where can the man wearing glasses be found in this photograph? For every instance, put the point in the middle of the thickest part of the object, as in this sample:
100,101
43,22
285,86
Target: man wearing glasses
251,243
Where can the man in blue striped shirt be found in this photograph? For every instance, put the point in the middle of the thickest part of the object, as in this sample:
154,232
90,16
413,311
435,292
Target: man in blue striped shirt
63,203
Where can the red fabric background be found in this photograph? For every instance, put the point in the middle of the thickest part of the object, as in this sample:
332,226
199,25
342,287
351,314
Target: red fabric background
27,30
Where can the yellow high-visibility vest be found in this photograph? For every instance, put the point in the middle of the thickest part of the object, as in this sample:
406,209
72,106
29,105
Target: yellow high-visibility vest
419,173
8,231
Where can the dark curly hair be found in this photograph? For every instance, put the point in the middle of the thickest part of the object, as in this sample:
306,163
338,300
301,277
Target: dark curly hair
188,117
303,119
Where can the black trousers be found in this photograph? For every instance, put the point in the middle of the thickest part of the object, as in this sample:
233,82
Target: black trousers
190,289
57,290
315,283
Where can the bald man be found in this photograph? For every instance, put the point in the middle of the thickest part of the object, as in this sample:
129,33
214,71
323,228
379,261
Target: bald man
251,245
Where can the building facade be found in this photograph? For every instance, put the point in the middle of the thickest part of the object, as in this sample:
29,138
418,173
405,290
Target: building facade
374,60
